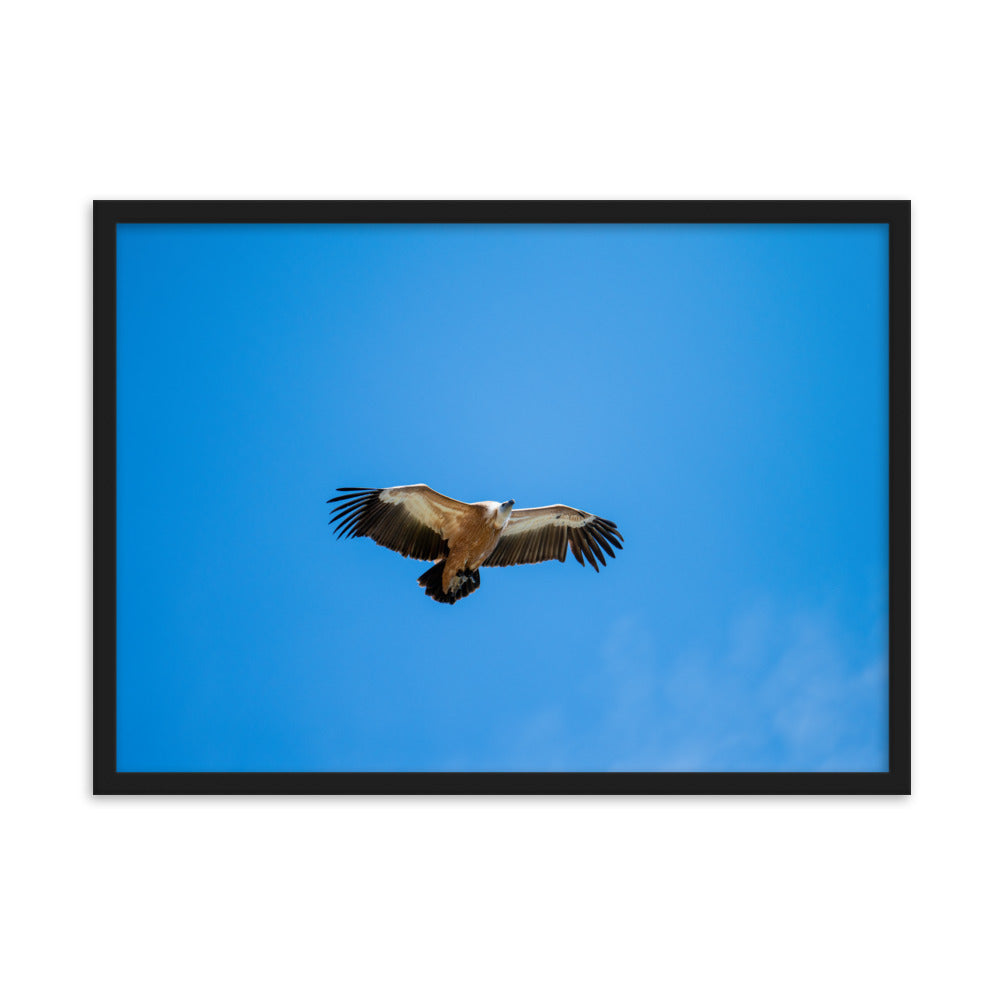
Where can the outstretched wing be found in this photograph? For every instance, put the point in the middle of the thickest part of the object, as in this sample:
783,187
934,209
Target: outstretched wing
415,520
536,534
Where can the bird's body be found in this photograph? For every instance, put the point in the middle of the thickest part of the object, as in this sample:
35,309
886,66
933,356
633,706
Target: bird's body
459,538
471,538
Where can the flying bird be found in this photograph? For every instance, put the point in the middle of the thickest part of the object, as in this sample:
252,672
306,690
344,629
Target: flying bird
459,538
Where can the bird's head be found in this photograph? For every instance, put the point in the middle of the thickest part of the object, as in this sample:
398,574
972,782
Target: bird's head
503,514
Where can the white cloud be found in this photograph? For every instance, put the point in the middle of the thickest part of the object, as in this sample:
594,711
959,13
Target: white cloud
778,689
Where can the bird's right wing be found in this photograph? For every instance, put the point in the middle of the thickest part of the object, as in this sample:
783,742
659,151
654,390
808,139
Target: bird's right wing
415,521
535,534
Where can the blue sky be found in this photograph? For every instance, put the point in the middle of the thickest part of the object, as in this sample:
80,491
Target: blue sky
719,391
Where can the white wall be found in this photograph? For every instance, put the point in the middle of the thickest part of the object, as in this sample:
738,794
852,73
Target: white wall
685,898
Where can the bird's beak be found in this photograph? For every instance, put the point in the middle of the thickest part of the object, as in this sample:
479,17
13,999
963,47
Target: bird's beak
509,503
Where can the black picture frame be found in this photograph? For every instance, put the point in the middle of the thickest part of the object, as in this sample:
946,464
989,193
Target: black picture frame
108,780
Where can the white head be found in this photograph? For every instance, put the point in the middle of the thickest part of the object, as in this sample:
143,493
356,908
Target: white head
503,512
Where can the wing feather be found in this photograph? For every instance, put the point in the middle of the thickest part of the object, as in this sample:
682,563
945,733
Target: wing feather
412,520
537,534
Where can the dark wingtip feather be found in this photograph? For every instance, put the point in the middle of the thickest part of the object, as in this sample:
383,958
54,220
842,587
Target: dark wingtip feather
357,490
610,530
603,543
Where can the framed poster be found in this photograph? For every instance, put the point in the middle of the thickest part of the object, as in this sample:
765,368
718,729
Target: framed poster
707,402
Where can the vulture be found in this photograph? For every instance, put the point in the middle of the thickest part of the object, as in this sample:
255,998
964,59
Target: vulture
459,538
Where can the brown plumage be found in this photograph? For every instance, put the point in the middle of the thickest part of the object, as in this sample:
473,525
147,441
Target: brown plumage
459,538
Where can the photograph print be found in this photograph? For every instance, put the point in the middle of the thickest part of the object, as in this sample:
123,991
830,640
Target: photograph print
501,497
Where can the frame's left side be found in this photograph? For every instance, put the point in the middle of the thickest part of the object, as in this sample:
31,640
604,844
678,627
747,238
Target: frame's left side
104,497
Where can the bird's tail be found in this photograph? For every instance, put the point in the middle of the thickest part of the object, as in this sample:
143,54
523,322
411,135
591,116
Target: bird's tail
465,583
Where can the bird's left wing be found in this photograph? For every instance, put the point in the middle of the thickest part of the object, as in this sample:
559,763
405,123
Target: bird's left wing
536,534
412,520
